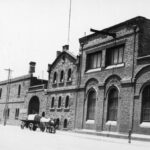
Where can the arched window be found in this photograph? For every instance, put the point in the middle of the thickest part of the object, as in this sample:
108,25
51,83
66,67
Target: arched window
62,76
145,117
69,75
59,102
19,90
43,114
112,105
52,102
67,102
91,105
55,77
65,123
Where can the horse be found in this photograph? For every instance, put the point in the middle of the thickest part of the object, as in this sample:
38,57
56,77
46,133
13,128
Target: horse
49,124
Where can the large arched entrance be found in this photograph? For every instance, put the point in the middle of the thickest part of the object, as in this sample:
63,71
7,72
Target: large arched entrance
34,104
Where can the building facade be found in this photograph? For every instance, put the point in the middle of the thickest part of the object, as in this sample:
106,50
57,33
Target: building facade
21,96
62,88
115,78
105,88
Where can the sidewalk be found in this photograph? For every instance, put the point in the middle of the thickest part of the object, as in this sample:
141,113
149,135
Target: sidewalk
137,137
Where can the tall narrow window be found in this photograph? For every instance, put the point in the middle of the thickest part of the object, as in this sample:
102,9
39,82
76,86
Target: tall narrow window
91,105
62,76
52,102
0,92
94,60
65,123
43,114
8,110
19,90
55,77
67,102
114,55
17,113
69,75
145,117
59,102
112,105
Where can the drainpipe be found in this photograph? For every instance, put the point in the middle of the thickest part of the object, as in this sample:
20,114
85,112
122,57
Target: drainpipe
132,79
78,82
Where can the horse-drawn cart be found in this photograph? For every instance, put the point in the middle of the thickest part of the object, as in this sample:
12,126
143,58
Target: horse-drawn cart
35,121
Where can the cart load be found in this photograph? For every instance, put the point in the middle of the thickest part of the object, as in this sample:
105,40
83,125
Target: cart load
34,121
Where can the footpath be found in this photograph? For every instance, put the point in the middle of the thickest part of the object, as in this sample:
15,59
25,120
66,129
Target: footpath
133,136
91,134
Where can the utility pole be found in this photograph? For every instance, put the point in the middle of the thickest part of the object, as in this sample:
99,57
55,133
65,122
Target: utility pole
7,96
69,22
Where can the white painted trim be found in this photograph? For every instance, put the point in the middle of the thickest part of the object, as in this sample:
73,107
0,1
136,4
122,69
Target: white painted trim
145,125
115,66
90,121
93,70
112,123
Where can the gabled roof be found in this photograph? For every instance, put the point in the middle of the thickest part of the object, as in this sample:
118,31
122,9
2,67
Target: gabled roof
70,54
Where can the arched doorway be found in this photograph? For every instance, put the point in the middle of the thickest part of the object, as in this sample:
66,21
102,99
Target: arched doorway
34,104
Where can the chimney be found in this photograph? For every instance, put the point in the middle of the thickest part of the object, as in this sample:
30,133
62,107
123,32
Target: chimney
58,53
65,47
32,67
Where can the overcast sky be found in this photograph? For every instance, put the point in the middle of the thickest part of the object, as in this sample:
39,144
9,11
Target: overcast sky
33,30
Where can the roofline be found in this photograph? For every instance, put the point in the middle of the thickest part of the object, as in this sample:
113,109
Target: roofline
61,54
24,77
130,21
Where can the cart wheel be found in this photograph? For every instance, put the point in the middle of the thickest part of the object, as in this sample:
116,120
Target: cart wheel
34,128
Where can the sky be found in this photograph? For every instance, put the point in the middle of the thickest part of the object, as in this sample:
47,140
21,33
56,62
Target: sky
33,30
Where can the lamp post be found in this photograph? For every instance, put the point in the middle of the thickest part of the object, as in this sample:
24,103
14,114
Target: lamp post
7,97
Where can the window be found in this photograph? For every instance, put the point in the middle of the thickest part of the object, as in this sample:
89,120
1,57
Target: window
145,117
59,102
67,102
94,60
57,123
19,90
17,113
69,75
55,77
65,123
43,114
8,110
52,102
62,76
0,92
91,105
112,105
114,55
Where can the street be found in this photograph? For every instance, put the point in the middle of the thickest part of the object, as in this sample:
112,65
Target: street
14,138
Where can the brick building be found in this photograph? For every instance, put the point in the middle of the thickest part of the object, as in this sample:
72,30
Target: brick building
26,96
61,90
105,88
114,91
